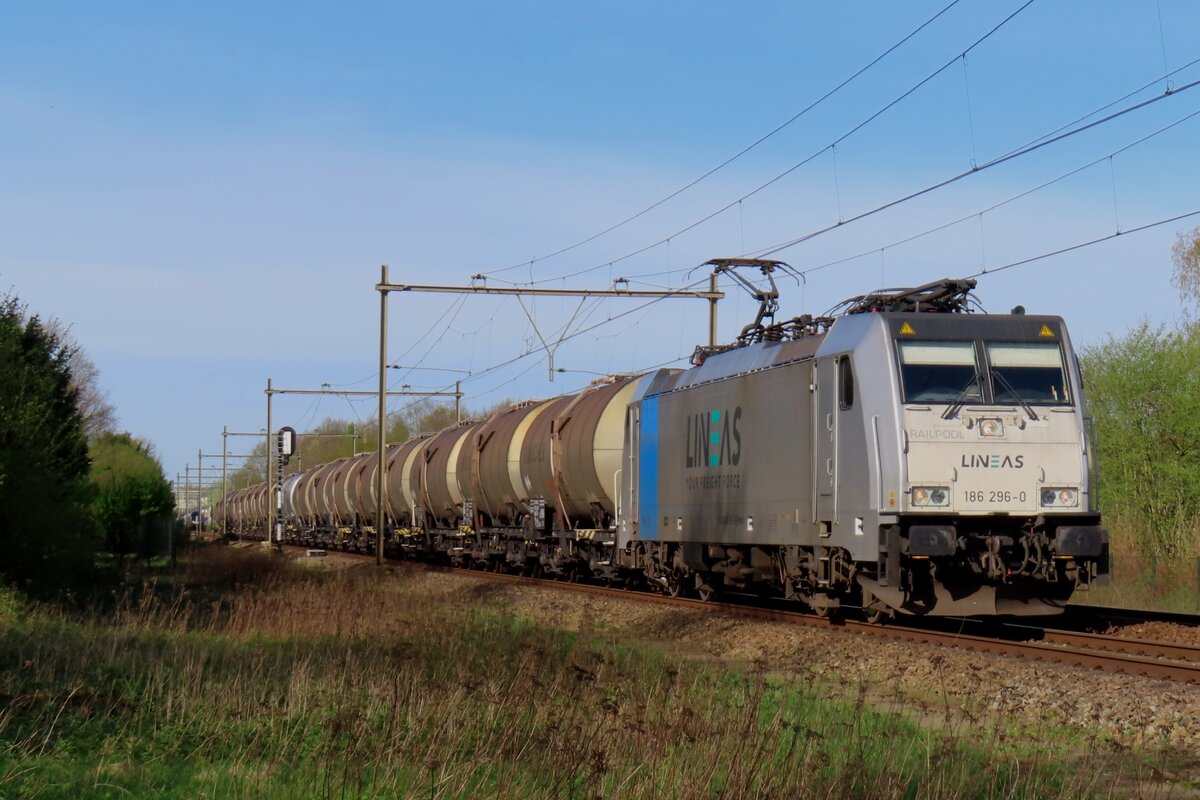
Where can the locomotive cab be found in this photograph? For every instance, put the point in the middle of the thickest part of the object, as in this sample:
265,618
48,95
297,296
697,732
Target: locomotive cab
989,507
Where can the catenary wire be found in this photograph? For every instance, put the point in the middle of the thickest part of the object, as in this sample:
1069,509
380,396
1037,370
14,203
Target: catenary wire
1081,245
1004,202
732,158
1043,137
773,249
808,159
1108,105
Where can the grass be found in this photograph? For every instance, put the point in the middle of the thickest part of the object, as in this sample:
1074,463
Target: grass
248,677
1139,580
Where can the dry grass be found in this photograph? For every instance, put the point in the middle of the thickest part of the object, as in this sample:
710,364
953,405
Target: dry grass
1139,580
254,679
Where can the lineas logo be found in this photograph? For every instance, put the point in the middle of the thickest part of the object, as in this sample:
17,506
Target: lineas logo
992,462
714,438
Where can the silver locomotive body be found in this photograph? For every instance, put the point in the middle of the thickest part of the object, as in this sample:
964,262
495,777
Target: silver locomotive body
914,462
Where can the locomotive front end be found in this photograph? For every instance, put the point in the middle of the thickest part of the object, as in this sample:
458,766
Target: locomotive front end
997,508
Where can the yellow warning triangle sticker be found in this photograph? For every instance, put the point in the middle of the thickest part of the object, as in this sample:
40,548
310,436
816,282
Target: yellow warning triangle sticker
906,328
1045,331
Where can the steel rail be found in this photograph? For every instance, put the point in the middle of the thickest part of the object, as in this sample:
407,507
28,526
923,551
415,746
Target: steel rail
1085,611
1122,644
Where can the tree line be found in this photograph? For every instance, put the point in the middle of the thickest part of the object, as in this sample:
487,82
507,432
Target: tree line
71,486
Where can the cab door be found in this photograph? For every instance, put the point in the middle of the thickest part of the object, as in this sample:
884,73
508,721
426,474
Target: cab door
825,444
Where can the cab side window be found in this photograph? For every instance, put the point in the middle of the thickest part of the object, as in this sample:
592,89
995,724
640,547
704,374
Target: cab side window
845,383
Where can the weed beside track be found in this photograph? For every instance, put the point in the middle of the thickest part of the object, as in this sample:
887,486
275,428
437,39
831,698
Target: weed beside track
248,676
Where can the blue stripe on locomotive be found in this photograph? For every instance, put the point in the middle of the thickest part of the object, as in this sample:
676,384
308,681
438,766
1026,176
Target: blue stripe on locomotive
648,471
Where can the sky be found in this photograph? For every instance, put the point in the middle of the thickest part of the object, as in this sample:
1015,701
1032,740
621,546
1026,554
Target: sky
206,192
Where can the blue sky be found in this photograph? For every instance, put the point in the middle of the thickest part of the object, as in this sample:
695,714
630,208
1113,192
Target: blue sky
206,191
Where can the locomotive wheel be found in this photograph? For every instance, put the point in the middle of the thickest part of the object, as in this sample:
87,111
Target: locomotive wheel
675,585
706,592
878,615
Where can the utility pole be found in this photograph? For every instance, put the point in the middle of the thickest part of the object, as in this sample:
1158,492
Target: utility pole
381,469
384,287
270,467
712,310
224,479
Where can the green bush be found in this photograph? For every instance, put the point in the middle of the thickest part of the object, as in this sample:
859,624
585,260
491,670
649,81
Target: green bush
134,505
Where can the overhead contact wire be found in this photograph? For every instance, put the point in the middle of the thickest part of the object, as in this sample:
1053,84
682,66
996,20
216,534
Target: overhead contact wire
1109,105
761,187
1088,243
1004,202
975,170
735,156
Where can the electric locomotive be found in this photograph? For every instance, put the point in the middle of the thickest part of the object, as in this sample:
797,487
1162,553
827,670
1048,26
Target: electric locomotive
904,455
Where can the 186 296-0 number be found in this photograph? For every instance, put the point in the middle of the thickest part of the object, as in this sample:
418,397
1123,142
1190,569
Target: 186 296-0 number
993,496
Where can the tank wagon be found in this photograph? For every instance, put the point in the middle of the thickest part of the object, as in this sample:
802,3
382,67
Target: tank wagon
903,455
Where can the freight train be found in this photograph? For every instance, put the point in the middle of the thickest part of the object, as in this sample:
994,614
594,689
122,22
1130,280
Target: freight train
904,455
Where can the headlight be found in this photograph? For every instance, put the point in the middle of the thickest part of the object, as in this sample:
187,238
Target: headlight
930,496
991,428
1059,497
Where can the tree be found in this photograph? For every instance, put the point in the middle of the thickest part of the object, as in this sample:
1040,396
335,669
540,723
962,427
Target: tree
99,416
1186,257
429,416
133,506
1144,398
46,536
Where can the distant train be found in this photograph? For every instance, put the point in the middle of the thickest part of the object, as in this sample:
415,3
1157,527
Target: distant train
903,456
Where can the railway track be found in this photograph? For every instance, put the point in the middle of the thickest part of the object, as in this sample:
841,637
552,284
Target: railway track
1089,613
1161,660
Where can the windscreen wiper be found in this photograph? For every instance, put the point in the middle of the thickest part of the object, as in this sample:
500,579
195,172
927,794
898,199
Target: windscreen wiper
997,375
961,399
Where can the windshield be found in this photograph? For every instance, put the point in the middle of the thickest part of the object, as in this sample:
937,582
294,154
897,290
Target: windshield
1030,372
939,372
